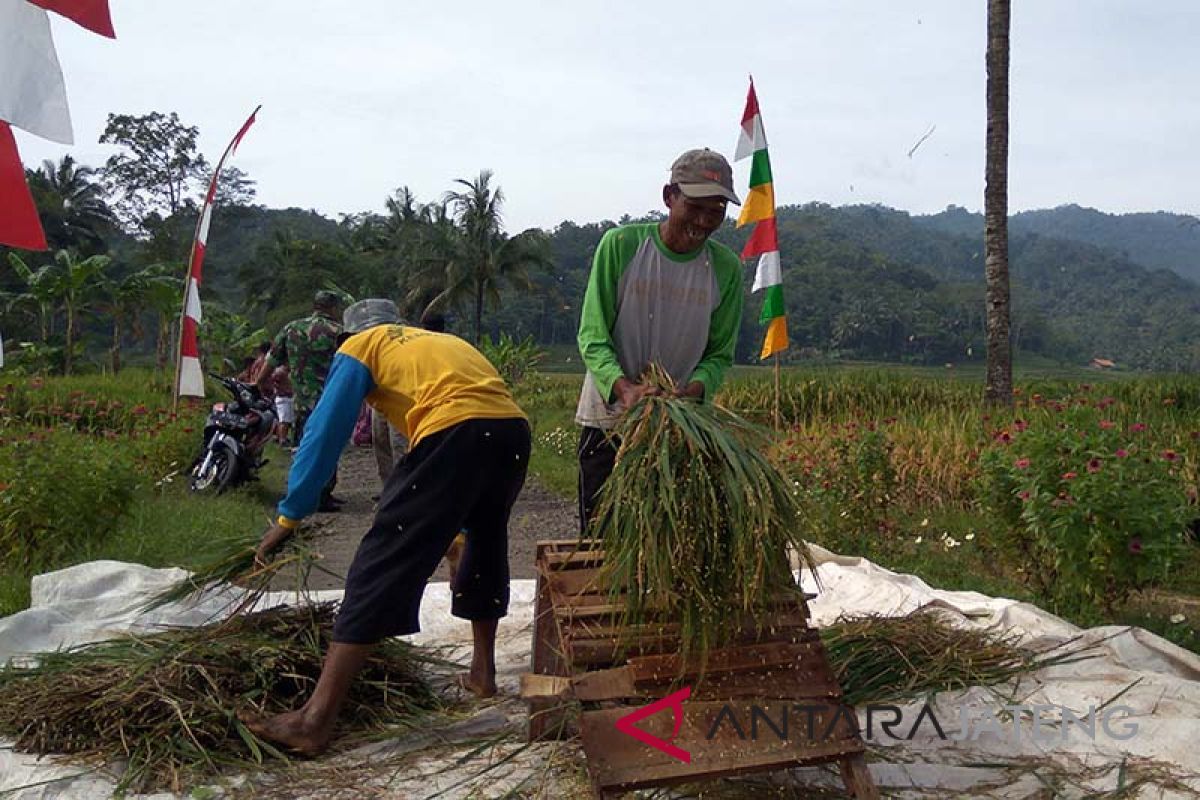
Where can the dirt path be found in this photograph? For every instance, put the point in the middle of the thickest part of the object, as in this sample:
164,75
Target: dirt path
538,514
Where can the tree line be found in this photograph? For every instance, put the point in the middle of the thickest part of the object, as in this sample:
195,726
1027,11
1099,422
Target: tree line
861,282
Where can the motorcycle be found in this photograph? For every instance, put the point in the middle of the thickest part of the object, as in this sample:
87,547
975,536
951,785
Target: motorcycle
234,436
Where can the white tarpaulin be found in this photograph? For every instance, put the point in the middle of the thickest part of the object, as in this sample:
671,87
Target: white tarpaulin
1145,691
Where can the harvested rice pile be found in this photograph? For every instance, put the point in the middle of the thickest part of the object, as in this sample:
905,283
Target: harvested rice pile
893,658
696,521
166,702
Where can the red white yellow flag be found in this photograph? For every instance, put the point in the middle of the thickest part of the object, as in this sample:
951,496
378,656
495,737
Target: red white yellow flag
189,380
759,210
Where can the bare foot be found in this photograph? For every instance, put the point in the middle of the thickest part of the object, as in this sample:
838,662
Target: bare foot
289,730
482,686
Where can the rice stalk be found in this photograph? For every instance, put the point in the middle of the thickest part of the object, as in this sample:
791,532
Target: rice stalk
696,521
878,658
237,564
165,703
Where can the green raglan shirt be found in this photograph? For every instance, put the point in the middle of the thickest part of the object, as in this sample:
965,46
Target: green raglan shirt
645,304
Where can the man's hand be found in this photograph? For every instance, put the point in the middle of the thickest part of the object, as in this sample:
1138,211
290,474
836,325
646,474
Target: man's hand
275,536
695,390
628,393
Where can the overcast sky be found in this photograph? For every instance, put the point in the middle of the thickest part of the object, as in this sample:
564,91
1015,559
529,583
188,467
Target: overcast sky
579,108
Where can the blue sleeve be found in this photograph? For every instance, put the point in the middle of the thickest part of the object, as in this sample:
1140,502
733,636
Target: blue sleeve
325,435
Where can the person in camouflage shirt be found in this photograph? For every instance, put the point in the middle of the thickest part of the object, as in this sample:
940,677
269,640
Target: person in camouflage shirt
306,346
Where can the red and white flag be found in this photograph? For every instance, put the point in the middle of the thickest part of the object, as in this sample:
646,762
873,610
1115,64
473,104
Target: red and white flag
19,223
189,377
33,97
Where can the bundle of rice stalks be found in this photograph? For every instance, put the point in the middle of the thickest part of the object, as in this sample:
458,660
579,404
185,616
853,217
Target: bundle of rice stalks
236,564
165,703
696,522
879,658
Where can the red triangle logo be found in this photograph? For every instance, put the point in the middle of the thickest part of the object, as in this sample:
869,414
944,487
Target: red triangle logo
673,701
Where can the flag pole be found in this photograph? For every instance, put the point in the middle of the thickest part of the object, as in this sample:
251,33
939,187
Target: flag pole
778,418
195,261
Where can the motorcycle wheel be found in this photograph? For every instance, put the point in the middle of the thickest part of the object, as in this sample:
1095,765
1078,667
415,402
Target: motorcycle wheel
218,476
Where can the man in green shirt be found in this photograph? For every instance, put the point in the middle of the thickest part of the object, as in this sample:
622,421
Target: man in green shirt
659,293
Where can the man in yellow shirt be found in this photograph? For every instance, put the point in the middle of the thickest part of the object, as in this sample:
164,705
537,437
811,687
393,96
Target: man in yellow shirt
465,467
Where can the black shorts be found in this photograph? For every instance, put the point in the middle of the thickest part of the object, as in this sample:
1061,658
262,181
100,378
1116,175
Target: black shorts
465,478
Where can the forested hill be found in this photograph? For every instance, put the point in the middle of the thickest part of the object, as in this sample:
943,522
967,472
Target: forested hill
860,282
914,291
1157,239
864,282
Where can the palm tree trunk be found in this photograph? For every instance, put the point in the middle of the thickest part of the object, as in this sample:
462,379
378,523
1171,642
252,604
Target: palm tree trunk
69,341
478,310
115,351
161,345
998,388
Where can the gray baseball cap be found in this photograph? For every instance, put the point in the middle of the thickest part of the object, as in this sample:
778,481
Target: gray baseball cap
704,173
369,313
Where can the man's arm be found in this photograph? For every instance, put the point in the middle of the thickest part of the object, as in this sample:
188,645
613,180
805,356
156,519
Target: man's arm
275,356
599,313
722,329
325,434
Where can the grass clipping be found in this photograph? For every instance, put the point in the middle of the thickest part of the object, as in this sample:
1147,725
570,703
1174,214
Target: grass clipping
696,522
165,703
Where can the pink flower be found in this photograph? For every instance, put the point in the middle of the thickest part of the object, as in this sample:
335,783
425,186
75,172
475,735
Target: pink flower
139,410
1070,476
1003,437
1093,465
1020,425
1137,427
1135,546
1106,424
1021,463
1024,495
1170,455
1121,453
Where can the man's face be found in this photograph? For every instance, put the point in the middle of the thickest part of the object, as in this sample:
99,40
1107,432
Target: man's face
693,219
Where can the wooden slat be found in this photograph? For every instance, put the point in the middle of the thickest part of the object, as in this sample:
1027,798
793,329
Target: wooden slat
746,658
568,583
618,762
564,545
545,687
546,717
858,779
588,600
572,558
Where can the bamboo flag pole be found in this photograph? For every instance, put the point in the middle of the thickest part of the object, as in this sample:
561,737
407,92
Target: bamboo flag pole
189,378
778,417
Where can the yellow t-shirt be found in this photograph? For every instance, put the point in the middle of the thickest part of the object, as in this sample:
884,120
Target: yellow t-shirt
425,381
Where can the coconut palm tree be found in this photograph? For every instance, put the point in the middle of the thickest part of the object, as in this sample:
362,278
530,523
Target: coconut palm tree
481,258
72,205
998,387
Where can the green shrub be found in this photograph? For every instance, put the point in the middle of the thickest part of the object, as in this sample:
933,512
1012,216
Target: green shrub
846,482
1094,509
59,490
515,361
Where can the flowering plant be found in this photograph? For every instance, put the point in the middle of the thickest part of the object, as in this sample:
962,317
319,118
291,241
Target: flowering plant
1094,510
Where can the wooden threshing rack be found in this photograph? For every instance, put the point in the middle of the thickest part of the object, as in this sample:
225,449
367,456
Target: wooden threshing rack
771,663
